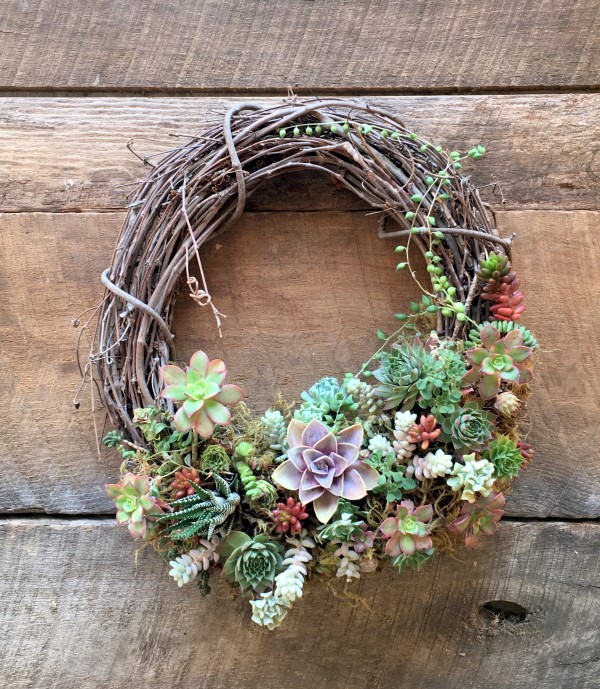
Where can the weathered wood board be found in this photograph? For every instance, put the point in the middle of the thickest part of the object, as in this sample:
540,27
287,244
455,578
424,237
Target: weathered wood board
317,45
305,306
77,612
69,153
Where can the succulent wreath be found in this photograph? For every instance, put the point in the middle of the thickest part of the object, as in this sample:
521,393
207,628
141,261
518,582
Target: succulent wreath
412,454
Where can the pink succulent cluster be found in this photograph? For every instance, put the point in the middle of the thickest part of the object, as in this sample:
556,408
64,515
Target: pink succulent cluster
478,518
289,516
408,530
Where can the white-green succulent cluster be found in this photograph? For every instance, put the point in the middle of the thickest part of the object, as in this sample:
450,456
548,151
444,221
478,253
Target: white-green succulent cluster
271,607
275,432
403,422
185,568
432,465
472,477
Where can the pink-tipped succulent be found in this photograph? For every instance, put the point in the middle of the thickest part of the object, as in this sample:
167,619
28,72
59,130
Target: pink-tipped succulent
424,432
498,359
135,504
408,530
201,393
478,518
323,467
289,516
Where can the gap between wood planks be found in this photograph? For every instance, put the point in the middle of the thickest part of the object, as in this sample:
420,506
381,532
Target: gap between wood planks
108,518
355,92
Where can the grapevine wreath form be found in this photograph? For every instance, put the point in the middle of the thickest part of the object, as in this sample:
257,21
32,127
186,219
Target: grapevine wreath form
412,454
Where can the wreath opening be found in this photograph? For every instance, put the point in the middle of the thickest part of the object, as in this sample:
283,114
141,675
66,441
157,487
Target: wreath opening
410,454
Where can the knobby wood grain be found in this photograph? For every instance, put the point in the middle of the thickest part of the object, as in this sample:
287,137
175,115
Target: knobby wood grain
303,294
87,617
70,153
317,45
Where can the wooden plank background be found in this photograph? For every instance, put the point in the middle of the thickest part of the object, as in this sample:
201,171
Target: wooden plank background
320,45
79,80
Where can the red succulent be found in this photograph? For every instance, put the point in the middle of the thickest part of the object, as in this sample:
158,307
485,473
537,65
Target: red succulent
424,432
182,484
289,516
527,451
507,297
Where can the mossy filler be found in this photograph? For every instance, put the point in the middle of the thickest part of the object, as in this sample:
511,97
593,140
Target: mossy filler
412,453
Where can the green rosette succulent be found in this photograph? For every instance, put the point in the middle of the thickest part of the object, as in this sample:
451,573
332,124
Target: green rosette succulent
200,391
469,428
398,374
498,359
506,457
252,562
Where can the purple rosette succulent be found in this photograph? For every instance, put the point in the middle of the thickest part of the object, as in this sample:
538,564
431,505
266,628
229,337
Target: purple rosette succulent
324,467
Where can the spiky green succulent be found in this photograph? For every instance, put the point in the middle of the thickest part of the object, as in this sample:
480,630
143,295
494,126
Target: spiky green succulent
506,457
203,512
325,401
252,562
398,373
469,428
504,327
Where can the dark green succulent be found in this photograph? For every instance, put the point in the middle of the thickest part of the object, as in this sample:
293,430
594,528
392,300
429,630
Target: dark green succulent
506,457
469,428
398,374
252,562
504,327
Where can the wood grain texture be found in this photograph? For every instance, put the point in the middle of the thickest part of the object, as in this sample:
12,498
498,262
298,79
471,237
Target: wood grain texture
556,255
89,618
249,44
304,293
70,153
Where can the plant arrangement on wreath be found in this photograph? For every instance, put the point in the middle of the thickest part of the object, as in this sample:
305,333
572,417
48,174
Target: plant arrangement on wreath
413,453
